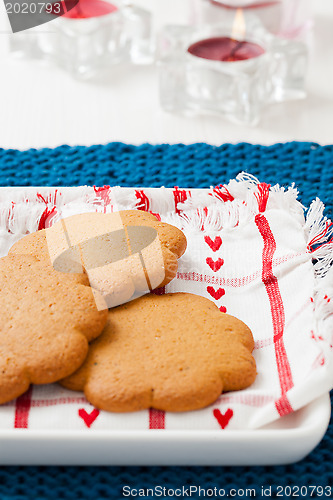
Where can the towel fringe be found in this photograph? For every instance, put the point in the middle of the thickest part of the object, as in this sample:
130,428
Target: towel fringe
220,207
248,179
233,204
319,228
319,238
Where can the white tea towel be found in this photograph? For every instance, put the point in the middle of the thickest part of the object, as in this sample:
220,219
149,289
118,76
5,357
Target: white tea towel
253,252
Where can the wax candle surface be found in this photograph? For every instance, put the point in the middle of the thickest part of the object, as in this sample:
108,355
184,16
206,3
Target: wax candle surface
225,49
88,8
247,4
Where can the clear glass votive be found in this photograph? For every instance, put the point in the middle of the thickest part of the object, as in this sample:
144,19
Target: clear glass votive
238,86
91,37
286,18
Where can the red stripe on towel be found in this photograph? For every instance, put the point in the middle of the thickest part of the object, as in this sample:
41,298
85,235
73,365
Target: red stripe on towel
22,410
143,202
180,195
277,311
156,419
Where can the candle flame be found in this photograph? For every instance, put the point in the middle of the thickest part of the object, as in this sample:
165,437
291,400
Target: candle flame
238,28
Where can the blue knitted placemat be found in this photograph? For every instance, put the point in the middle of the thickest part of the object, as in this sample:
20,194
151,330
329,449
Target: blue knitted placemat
308,165
198,165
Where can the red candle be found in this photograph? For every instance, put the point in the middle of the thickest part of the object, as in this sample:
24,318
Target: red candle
85,9
250,5
225,49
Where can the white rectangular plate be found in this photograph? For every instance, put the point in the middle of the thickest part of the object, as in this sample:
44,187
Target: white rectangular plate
287,440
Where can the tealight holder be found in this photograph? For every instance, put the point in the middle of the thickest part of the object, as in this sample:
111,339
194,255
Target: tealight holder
286,18
207,70
85,44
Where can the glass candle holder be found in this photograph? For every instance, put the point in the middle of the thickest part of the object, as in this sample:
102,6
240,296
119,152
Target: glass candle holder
91,37
206,70
286,18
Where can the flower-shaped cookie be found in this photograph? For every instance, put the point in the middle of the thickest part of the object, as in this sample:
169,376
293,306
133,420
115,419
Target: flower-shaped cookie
125,254
174,352
47,319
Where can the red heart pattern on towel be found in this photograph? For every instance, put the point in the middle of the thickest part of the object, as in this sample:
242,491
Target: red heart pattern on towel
216,294
215,265
223,418
214,245
88,418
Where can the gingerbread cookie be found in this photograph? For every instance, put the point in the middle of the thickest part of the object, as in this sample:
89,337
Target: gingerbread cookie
174,352
47,319
125,254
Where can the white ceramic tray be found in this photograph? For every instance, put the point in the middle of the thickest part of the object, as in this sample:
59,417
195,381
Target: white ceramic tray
288,440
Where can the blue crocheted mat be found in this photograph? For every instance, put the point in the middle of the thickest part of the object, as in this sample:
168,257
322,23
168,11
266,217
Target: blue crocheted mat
309,165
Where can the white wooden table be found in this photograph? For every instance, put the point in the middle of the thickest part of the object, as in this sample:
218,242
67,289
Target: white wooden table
42,106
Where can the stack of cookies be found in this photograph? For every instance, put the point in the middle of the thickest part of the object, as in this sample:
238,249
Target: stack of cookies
77,308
